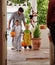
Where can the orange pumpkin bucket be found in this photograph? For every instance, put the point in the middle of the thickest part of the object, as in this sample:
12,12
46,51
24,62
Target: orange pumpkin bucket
23,43
13,34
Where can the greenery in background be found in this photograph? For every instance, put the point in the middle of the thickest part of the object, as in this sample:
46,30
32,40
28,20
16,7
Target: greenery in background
37,33
18,1
27,13
42,6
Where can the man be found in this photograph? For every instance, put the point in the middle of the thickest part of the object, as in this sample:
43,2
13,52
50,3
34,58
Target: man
17,16
51,21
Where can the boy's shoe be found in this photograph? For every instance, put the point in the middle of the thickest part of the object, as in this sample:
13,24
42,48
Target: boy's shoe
30,47
19,50
12,48
25,47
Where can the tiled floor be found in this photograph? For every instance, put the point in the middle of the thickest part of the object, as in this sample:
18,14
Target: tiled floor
40,57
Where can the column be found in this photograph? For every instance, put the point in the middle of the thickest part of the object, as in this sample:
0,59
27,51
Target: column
0,32
4,21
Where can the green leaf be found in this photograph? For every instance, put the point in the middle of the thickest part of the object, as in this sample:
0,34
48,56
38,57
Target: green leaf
36,33
18,1
42,6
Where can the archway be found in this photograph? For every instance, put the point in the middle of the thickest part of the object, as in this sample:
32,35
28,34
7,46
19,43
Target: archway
21,56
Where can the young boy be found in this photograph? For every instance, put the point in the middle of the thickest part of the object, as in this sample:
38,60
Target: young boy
17,39
27,37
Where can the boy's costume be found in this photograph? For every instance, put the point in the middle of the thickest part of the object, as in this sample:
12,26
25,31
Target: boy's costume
27,37
17,38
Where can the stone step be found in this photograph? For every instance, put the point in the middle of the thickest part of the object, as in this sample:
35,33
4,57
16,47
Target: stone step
37,58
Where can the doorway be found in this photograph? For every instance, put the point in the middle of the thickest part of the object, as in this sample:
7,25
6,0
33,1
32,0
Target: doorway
25,56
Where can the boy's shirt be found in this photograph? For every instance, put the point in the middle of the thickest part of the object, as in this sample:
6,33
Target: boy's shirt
27,33
15,16
17,30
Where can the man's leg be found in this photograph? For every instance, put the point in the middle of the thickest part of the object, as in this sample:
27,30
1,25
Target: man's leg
19,46
54,55
13,43
25,47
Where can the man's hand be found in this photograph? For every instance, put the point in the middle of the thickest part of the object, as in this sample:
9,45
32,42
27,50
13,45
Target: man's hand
8,27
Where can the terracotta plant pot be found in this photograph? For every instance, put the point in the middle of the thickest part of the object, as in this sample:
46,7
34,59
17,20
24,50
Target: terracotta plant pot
36,42
43,26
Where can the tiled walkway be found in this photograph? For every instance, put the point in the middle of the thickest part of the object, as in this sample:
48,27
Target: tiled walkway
40,57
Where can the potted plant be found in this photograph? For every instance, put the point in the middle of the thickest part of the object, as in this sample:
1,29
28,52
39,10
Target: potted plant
36,40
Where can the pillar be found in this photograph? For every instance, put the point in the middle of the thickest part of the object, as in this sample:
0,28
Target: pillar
0,32
4,20
3,47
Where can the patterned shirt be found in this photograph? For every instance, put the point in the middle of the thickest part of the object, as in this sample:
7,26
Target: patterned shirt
16,16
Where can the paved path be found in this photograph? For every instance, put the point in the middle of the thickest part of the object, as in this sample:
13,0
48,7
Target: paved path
40,57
